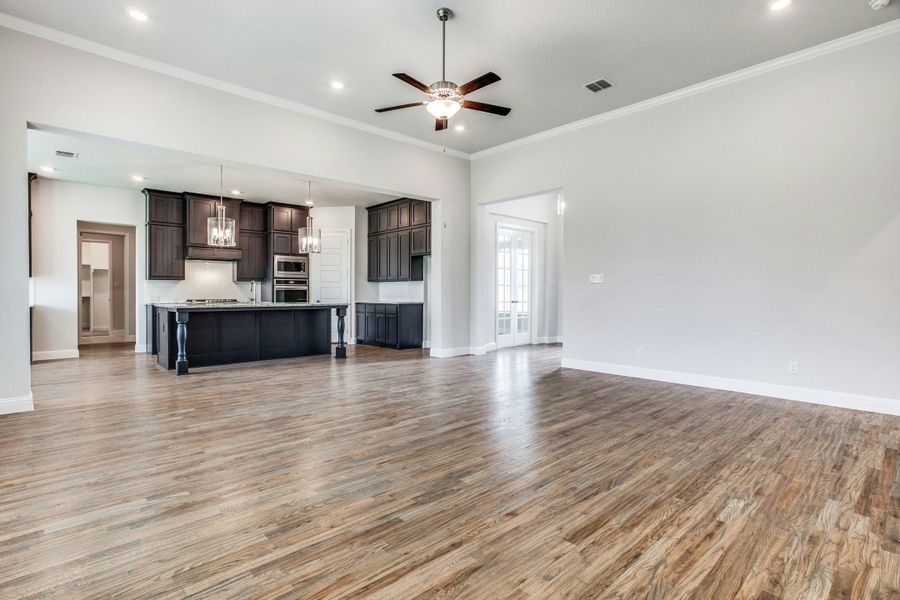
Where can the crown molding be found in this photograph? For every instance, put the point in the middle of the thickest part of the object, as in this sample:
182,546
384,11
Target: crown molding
855,39
79,43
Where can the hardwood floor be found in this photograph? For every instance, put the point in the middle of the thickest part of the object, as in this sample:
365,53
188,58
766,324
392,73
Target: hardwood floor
394,476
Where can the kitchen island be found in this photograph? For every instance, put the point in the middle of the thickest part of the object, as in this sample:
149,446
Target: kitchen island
199,335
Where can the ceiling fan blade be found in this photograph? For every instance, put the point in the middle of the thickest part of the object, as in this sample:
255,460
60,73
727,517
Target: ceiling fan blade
399,106
413,82
440,124
489,108
478,83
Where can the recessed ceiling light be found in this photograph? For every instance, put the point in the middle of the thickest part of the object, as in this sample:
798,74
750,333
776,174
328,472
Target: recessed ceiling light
138,177
236,192
337,85
779,4
48,169
460,128
138,15
309,202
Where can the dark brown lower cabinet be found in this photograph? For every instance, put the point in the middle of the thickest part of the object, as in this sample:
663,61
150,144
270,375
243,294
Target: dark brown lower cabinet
392,325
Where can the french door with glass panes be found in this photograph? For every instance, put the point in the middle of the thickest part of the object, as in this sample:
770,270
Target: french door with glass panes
514,306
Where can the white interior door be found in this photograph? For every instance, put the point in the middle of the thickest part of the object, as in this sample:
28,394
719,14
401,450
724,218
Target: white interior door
514,283
330,274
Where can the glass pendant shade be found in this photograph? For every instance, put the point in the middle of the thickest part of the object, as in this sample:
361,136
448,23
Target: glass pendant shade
310,238
220,229
443,109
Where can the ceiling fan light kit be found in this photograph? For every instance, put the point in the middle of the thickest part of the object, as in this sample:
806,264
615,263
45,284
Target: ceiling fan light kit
445,98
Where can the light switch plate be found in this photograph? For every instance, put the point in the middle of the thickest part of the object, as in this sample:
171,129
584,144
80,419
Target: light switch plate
596,278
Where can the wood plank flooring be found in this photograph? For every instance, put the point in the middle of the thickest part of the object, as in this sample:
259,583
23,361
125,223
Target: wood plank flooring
394,476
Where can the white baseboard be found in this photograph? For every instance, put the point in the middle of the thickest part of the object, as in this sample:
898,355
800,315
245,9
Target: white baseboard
451,352
548,340
54,354
759,388
16,405
426,343
142,348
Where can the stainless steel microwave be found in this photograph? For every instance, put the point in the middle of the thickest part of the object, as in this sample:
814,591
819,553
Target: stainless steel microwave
290,267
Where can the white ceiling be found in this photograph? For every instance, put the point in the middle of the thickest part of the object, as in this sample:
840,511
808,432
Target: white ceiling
109,163
544,51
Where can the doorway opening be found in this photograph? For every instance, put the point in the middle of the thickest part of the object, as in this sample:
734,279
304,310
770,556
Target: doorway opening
106,285
519,246
514,286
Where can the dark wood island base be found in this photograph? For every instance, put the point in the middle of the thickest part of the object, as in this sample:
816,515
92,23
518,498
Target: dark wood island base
203,335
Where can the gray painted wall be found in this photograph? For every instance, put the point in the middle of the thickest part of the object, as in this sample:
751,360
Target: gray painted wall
71,89
740,228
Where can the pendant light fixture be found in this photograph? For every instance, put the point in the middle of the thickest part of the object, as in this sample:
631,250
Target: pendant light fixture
310,239
220,229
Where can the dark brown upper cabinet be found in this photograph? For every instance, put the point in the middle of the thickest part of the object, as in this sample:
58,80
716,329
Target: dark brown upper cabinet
399,236
420,238
199,208
165,251
254,256
165,235
164,207
253,217
287,218
421,213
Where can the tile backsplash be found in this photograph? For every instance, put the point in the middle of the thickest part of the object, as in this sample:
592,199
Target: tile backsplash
202,279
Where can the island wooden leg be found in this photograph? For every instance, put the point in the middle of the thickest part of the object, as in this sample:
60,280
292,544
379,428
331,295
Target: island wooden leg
341,350
181,361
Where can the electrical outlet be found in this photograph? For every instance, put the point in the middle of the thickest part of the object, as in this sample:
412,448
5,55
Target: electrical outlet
640,351
596,278
793,367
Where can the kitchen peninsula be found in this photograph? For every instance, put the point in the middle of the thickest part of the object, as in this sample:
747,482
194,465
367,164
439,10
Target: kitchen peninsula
204,334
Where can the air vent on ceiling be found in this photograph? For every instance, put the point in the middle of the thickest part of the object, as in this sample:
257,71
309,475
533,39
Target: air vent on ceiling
66,154
599,85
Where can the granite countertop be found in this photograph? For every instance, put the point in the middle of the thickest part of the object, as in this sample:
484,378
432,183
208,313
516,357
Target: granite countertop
246,306
390,302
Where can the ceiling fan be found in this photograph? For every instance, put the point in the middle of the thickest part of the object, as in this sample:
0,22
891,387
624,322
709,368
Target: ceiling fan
445,98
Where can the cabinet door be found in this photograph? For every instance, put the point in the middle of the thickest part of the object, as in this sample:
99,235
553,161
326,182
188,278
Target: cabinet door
382,219
381,329
253,217
403,256
393,248
419,241
165,252
373,221
198,211
253,263
393,217
361,325
295,243
419,213
281,243
390,330
403,215
165,208
372,258
428,237
281,218
383,257
371,328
